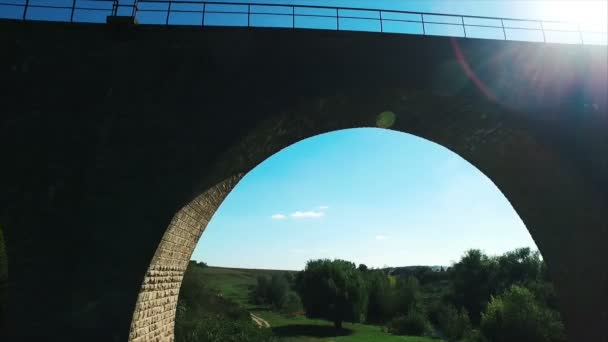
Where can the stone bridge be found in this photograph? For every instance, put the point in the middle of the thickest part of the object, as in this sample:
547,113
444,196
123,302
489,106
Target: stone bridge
118,143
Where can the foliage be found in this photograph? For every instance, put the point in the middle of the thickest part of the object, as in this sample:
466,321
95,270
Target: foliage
471,278
203,315
333,290
517,316
453,323
271,291
291,304
381,293
408,294
197,300
414,323
221,329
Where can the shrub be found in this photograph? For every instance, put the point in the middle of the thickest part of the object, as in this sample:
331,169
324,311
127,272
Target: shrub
415,323
221,329
517,316
292,304
454,324
474,335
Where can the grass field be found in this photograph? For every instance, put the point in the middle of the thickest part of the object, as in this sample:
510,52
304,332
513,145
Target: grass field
235,284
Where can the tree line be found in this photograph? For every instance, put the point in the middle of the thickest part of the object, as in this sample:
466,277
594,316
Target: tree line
480,298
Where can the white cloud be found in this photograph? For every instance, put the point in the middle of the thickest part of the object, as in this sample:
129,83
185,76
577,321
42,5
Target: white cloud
278,217
381,237
298,251
323,207
308,214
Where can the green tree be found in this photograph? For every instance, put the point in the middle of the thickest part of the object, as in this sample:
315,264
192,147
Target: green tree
278,289
333,290
519,266
453,323
472,282
414,323
260,293
292,304
517,316
407,294
381,303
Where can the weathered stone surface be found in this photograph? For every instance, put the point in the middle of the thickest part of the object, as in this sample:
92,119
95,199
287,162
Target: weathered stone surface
117,149
157,300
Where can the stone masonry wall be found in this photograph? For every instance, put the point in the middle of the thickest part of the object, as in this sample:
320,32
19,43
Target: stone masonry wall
154,315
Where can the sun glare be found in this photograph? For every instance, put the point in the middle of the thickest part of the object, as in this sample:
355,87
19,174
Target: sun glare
590,15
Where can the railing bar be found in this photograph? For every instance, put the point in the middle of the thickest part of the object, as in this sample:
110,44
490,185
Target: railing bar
436,23
49,6
316,15
93,9
277,14
524,28
568,31
365,18
404,21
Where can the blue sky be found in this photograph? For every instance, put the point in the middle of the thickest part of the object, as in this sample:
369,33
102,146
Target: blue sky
369,195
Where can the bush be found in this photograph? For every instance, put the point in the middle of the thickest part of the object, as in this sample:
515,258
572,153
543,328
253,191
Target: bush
455,325
221,329
292,304
474,335
517,316
415,323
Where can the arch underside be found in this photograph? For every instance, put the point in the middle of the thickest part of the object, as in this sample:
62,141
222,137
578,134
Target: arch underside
533,175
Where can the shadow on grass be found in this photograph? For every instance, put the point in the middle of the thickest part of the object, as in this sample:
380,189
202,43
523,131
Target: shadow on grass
310,330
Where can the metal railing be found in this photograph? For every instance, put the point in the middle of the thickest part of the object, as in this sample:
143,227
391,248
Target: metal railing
295,16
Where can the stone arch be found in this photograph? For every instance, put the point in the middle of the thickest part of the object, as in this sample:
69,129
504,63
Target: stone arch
500,143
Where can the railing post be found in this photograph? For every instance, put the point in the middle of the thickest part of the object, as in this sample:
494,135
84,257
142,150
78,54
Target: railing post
464,29
115,8
203,18
381,26
248,15
504,32
580,33
73,9
293,16
422,18
134,9
542,28
27,3
337,19
168,13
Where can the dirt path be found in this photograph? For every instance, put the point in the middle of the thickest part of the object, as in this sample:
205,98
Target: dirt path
259,321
